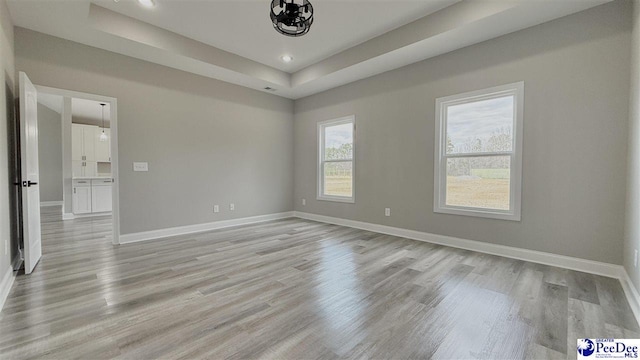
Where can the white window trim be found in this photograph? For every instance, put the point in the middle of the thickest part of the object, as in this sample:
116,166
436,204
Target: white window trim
321,125
440,163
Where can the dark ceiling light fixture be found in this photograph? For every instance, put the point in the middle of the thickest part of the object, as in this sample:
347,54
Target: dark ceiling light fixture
292,17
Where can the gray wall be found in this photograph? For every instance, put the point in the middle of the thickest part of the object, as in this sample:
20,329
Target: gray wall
632,225
576,73
207,142
50,153
7,79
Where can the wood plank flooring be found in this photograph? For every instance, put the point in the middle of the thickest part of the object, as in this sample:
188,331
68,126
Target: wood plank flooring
296,289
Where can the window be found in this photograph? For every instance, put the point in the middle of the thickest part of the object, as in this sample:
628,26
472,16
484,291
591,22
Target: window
478,157
335,165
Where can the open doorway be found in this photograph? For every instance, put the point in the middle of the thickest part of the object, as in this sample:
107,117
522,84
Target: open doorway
77,137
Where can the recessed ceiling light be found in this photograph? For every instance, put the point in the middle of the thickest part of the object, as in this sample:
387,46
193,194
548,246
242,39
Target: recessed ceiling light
287,58
147,3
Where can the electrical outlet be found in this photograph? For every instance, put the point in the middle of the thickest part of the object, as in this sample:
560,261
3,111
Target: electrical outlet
387,211
304,202
635,258
216,208
232,206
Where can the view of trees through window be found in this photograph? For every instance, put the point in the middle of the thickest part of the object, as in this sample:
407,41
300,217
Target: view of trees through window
479,141
338,160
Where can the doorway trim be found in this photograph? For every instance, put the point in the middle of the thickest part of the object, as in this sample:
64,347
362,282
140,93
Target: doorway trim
113,103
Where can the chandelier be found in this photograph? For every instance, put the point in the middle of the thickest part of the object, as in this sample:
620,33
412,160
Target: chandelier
291,17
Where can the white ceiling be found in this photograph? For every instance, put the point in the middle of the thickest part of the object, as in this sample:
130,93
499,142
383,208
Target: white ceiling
243,27
234,41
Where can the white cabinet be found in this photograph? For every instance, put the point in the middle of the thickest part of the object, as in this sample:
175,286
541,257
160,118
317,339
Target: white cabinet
82,142
102,148
87,149
77,168
81,196
92,196
90,168
84,168
101,195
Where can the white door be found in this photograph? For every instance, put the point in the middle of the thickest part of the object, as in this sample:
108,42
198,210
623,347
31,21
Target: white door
30,175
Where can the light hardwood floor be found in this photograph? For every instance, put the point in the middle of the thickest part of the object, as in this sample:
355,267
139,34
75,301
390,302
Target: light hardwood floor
296,289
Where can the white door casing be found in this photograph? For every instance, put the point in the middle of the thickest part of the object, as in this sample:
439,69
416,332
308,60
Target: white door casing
113,148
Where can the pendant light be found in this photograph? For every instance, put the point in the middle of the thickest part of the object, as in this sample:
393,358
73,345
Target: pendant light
103,136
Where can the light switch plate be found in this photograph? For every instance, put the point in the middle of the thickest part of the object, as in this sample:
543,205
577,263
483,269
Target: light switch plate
140,166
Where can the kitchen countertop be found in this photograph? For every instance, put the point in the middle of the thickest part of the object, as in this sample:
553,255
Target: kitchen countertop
92,177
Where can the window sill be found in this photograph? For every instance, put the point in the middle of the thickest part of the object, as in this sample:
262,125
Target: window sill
350,200
478,213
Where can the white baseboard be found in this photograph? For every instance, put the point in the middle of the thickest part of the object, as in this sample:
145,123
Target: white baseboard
633,297
50,203
5,285
68,216
80,216
567,262
71,216
190,229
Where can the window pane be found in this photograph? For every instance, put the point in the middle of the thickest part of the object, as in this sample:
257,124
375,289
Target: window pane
481,126
337,178
338,142
479,182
